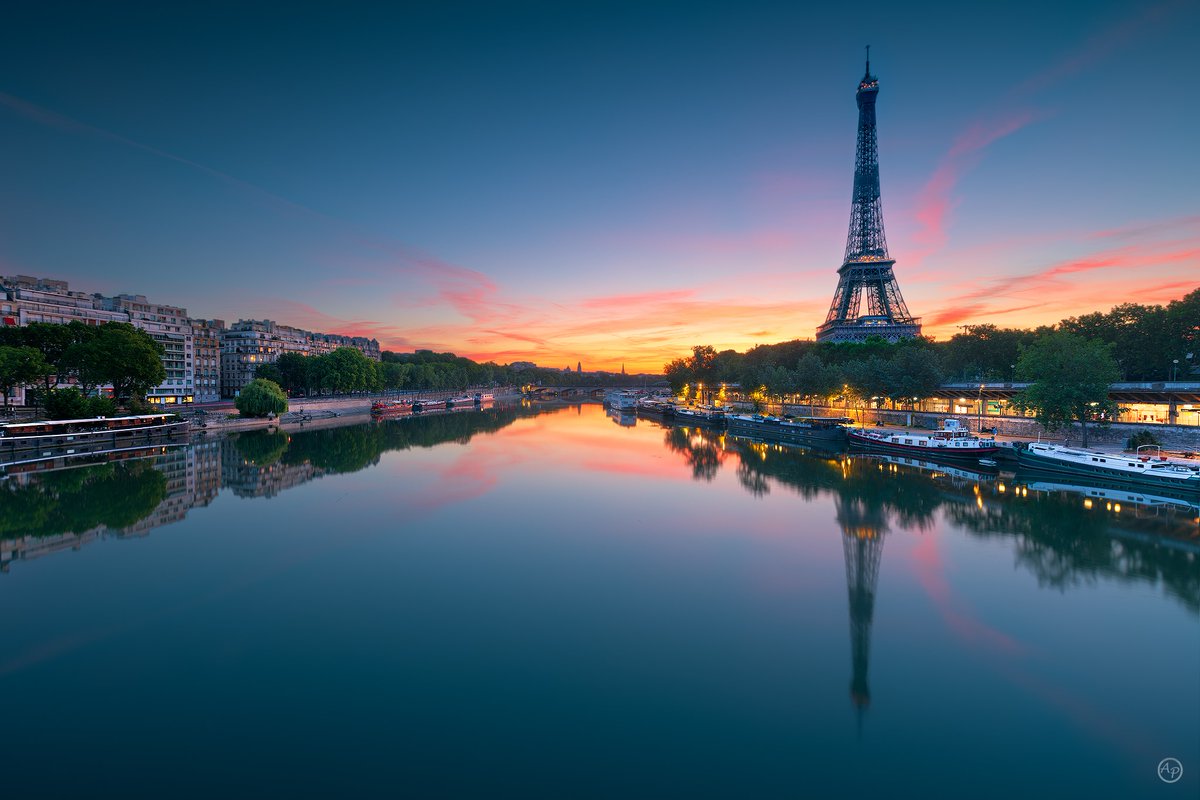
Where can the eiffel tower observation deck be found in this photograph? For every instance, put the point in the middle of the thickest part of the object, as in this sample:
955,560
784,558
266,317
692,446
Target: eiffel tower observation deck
867,268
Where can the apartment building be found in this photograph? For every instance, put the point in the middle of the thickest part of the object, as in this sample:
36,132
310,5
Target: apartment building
170,327
248,343
206,350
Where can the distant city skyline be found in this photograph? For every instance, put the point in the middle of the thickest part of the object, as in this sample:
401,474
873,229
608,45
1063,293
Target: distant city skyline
608,183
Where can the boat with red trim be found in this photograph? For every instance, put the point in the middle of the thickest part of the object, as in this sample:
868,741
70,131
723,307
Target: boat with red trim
952,440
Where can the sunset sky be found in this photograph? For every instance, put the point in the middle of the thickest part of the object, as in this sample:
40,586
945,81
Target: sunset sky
602,182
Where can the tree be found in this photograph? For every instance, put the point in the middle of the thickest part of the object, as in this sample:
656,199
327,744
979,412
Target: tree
912,372
129,359
260,398
814,378
1070,380
294,369
70,403
679,374
20,366
269,372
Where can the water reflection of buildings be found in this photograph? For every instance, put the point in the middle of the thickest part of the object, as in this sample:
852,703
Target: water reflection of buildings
64,505
193,476
246,478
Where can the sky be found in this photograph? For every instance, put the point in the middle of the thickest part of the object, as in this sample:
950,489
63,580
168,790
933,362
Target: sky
599,182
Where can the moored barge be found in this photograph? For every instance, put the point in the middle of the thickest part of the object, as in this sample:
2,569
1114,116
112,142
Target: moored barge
953,440
823,430
1143,470
67,436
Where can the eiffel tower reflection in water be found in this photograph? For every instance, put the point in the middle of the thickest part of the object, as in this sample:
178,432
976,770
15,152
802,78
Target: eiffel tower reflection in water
863,526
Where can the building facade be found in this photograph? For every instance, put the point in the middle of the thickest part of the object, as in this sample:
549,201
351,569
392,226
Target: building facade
170,327
206,343
248,343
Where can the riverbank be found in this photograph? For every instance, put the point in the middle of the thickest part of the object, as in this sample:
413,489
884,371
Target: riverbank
1183,438
308,413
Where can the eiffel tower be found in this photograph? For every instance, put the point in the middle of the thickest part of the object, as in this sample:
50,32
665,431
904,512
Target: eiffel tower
862,545
867,267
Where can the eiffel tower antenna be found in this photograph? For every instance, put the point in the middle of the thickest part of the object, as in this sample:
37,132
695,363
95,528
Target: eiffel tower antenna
866,270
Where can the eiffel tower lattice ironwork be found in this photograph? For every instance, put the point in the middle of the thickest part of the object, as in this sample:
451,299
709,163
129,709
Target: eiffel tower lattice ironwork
867,268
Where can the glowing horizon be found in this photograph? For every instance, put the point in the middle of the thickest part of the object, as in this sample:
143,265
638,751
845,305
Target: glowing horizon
642,199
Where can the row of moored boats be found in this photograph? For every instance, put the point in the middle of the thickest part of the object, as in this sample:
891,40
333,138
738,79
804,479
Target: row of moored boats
408,405
952,442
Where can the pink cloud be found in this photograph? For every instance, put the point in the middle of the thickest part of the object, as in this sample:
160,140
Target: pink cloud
935,200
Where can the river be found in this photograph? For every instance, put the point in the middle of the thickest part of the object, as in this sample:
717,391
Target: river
551,601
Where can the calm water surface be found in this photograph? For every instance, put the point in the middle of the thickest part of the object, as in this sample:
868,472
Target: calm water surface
548,602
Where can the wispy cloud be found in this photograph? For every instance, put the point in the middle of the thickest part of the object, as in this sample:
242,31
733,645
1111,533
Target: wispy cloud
936,198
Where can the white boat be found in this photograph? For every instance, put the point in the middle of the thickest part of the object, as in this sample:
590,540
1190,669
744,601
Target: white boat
952,440
622,401
1144,469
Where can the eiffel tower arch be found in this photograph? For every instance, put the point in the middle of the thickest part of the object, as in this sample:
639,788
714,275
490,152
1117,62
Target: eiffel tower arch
866,272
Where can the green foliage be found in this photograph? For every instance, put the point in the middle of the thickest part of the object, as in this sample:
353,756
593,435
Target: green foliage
1140,439
139,405
261,448
1070,378
77,500
259,398
71,404
20,366
270,372
984,352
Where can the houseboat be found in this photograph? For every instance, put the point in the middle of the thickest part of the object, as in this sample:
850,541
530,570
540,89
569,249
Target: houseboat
825,430
701,415
1144,468
622,401
389,407
655,407
484,397
69,436
953,440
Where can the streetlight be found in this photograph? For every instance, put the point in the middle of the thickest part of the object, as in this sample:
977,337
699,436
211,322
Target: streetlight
1174,368
979,412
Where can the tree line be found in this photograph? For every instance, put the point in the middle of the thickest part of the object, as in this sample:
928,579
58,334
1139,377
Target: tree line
347,370
1146,343
41,356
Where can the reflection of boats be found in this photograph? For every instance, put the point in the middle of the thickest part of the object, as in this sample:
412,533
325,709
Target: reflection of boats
71,436
988,462
1110,492
36,462
1142,470
953,440
623,417
391,407
827,430
926,465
